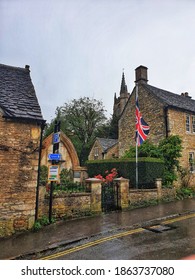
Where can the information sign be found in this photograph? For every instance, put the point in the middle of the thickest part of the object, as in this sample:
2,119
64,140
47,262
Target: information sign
53,173
56,138
54,156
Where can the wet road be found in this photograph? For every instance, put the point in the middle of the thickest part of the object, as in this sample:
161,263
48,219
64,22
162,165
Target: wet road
170,240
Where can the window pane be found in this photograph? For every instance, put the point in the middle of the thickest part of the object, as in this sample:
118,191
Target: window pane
193,124
187,123
191,162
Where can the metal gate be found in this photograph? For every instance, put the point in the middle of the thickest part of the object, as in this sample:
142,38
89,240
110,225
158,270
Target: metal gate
110,195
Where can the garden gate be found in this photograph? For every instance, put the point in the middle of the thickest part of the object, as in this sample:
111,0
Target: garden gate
110,194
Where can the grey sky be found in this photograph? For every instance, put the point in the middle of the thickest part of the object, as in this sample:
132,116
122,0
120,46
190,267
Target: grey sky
78,48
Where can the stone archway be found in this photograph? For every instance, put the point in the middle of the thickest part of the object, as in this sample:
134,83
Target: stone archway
67,150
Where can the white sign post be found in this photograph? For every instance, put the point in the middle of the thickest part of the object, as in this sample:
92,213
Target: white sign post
53,173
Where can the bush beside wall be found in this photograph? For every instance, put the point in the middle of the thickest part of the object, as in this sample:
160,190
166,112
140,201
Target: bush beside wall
148,168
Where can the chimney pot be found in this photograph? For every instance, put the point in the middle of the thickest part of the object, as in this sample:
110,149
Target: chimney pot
141,74
185,94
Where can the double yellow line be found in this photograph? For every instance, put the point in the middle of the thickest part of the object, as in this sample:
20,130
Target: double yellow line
109,238
93,243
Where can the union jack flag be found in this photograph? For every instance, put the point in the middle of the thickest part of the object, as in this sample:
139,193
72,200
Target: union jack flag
142,128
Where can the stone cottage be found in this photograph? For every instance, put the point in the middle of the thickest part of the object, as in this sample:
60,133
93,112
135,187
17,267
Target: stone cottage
21,124
104,148
165,112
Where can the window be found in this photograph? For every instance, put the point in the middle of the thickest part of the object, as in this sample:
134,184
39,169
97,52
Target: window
191,162
193,124
96,153
188,123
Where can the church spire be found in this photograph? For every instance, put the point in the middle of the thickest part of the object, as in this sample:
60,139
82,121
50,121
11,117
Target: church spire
123,85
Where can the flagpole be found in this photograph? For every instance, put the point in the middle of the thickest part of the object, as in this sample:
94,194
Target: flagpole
136,164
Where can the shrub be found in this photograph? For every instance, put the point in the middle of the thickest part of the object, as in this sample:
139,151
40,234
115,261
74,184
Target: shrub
184,193
149,169
169,150
66,176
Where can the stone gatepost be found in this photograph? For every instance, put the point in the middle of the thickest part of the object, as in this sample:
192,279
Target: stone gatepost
94,186
158,184
123,192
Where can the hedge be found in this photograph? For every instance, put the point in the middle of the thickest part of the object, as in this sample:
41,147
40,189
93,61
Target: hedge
148,169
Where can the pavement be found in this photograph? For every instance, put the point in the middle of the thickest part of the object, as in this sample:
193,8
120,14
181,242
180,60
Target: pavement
70,231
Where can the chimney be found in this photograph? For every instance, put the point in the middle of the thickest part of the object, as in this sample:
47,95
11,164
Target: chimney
185,94
27,67
141,75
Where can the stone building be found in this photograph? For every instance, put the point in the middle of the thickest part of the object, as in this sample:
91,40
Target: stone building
21,123
104,148
165,112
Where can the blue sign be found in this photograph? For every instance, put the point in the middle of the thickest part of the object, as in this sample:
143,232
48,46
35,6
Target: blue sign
54,156
56,138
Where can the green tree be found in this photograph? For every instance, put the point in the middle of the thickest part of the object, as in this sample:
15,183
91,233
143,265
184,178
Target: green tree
170,149
81,119
113,132
147,149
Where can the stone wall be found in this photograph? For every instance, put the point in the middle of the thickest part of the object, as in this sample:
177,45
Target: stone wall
152,112
64,204
140,196
77,204
19,143
112,152
96,151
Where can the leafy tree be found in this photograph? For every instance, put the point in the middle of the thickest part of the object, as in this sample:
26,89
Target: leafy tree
49,128
147,149
81,119
170,149
113,133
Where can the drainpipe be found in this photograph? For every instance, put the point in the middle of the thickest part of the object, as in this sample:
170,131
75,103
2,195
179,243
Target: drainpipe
166,121
38,175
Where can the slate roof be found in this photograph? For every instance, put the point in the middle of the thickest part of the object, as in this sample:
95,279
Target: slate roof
107,143
172,99
17,94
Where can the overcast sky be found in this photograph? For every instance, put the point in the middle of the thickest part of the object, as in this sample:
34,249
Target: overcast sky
78,48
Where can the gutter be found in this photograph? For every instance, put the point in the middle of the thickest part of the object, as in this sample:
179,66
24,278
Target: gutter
166,121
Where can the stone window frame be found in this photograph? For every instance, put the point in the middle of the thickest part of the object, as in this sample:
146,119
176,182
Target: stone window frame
193,124
96,152
192,162
188,123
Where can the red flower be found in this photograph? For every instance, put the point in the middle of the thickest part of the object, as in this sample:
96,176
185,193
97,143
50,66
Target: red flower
109,177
